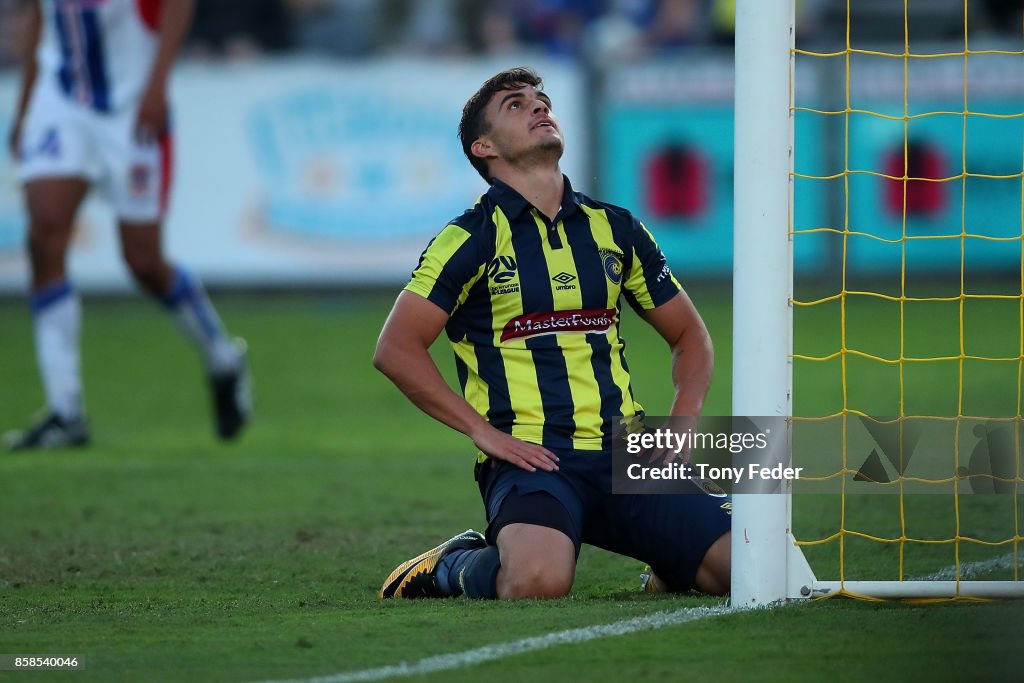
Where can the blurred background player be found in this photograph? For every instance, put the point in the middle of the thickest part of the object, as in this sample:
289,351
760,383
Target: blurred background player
93,110
532,258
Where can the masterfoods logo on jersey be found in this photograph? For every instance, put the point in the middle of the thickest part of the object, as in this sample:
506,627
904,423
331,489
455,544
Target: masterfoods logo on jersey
557,322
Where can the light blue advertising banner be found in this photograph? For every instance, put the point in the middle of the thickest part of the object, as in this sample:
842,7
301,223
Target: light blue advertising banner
304,171
667,154
673,166
968,171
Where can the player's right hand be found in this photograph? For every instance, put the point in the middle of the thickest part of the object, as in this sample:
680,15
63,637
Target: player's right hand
501,446
151,122
680,425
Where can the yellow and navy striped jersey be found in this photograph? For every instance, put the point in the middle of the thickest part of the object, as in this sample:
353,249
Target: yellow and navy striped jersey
534,311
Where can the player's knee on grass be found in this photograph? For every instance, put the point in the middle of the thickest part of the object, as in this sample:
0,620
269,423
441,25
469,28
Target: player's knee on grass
714,575
536,563
534,582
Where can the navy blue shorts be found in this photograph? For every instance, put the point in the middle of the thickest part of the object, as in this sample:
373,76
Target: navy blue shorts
671,533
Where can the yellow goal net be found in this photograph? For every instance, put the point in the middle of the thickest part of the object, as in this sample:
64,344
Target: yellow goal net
906,230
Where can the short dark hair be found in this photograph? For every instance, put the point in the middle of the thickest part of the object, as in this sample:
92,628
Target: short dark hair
474,123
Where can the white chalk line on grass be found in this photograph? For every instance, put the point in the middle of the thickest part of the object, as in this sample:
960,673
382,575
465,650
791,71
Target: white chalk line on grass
972,570
489,653
650,622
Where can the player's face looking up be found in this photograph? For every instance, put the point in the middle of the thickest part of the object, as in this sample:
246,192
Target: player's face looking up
522,129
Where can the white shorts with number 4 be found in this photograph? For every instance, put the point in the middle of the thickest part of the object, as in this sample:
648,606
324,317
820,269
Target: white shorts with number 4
61,139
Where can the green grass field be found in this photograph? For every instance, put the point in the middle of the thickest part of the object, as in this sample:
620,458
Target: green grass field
162,555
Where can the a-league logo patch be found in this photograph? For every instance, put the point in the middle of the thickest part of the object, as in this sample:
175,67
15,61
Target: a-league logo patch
612,261
502,271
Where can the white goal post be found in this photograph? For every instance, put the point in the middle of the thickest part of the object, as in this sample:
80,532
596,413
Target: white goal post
767,565
762,282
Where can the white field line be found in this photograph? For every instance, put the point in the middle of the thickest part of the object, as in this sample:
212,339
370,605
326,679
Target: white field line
489,653
972,570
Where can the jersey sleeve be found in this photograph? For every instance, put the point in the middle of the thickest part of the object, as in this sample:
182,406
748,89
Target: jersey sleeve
448,268
650,282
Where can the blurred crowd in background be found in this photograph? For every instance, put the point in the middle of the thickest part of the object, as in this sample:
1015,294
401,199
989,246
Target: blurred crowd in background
599,30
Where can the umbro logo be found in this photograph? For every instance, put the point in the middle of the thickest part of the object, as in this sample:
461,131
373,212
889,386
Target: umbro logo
565,281
564,278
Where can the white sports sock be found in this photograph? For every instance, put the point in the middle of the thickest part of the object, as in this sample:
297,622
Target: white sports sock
57,312
197,319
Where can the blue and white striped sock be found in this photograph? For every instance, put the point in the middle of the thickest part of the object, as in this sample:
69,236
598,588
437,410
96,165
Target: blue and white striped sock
57,319
188,303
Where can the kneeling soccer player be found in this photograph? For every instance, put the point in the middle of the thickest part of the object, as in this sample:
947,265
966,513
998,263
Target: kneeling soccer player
527,285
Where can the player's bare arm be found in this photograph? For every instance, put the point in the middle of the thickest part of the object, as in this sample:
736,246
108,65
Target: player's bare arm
28,74
172,28
693,355
402,354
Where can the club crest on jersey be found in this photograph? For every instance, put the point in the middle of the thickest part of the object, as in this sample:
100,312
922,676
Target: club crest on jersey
612,261
140,180
503,272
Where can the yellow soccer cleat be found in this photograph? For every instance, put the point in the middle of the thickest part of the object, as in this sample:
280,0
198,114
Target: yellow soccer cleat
417,578
650,582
